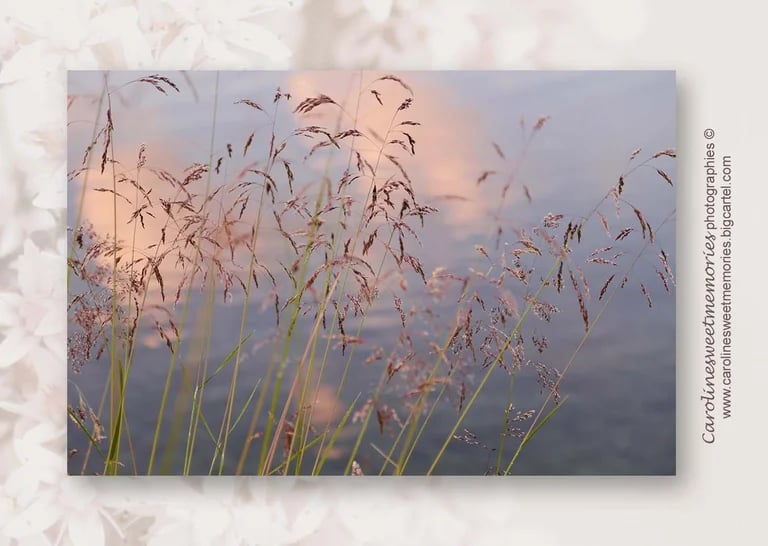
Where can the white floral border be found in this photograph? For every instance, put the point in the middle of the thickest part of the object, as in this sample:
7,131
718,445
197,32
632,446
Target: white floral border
39,41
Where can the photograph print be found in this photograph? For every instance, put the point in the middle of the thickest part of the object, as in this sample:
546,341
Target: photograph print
371,273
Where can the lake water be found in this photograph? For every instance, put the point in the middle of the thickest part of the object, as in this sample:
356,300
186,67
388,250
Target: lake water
619,417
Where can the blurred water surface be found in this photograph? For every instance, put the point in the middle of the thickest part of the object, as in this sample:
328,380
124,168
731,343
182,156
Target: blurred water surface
620,414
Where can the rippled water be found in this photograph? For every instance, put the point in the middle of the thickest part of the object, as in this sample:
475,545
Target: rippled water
620,414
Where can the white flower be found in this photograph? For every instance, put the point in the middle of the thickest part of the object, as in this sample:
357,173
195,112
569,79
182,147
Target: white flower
28,315
8,407
405,34
67,33
381,515
233,511
8,38
291,510
36,462
192,518
377,10
19,218
72,509
208,34
52,196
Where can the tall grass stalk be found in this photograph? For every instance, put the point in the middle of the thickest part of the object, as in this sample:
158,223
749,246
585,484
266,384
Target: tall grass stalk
535,423
187,299
347,238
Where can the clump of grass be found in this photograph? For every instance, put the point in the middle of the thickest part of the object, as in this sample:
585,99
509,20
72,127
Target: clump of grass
317,223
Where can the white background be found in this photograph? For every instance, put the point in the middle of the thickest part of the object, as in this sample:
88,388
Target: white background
715,47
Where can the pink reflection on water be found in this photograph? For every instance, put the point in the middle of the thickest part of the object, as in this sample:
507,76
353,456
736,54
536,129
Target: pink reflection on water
451,145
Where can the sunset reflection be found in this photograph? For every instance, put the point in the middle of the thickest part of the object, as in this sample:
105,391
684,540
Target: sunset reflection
311,266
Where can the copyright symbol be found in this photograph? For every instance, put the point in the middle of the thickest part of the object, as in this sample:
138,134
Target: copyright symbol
709,134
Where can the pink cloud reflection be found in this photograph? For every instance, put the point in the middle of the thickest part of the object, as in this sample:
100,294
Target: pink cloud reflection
451,143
